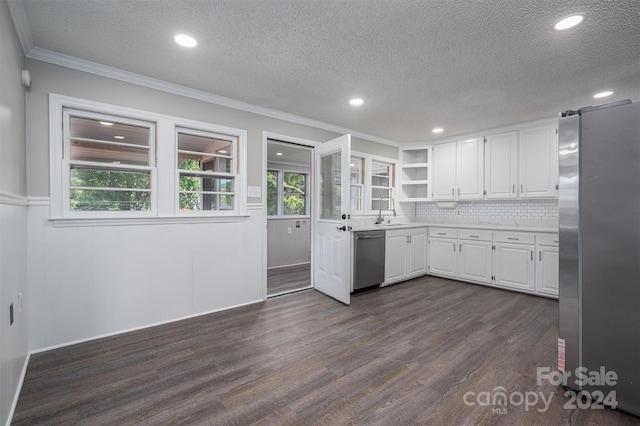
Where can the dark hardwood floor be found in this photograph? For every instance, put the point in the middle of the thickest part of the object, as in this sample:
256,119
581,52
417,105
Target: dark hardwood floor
405,354
288,278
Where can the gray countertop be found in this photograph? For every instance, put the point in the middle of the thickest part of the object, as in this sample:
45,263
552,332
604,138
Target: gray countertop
367,224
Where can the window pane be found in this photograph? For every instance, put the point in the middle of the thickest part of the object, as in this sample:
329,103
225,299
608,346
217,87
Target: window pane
330,185
109,131
103,153
109,178
108,200
295,183
294,204
272,204
194,182
202,201
216,154
272,182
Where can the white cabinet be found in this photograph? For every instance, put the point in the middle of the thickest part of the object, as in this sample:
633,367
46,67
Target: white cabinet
475,255
444,171
501,166
405,254
538,164
470,169
415,169
443,255
547,264
513,260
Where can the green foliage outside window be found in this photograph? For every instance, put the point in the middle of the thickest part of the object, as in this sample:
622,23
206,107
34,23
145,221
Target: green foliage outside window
112,194
189,183
294,197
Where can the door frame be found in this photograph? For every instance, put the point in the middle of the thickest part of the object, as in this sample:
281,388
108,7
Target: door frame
294,141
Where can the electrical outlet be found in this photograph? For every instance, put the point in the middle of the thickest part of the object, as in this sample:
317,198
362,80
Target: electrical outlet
11,314
458,212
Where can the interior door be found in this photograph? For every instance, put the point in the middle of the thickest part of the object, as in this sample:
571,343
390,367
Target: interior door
332,256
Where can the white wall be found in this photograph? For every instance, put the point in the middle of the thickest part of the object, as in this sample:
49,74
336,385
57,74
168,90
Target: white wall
89,281
13,216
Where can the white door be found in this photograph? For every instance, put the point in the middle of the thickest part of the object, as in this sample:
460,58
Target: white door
474,260
514,266
538,166
417,252
501,165
395,255
547,267
444,171
443,257
332,257
470,170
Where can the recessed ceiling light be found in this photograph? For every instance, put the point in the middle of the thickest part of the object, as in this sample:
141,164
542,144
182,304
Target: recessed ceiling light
118,137
222,151
603,94
185,40
568,22
106,123
356,101
278,153
438,130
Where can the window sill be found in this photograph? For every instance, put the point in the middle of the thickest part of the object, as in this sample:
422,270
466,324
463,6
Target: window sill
149,220
288,217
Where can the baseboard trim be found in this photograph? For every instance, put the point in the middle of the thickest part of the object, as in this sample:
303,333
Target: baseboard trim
12,410
288,266
115,333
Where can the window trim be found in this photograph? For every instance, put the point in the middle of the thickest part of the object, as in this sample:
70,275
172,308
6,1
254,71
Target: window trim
165,146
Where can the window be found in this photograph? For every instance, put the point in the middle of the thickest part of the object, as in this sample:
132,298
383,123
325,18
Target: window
372,183
287,193
110,162
205,171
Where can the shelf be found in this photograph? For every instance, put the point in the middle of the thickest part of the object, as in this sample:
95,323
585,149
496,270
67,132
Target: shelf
415,182
413,192
411,156
415,165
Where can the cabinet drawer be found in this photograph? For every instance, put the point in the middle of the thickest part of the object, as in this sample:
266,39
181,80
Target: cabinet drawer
514,237
443,232
547,239
475,234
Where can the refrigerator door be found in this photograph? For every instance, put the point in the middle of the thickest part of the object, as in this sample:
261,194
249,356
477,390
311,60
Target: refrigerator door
609,240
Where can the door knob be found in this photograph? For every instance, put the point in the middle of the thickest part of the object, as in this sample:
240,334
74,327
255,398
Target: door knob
341,228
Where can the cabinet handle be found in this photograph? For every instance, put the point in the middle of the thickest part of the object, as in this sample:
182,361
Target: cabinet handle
556,241
540,255
452,193
458,192
410,239
514,239
454,247
521,188
474,236
513,190
442,233
460,247
531,254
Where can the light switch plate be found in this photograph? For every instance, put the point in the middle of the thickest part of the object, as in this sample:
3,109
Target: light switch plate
254,192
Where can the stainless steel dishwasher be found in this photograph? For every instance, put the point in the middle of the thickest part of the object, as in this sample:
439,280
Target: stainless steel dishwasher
369,259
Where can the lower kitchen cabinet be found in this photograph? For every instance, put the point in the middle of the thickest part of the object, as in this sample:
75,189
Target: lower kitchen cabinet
513,260
405,254
443,256
547,264
474,260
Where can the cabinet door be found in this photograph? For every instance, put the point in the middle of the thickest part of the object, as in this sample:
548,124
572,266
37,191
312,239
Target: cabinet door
501,166
470,170
538,165
547,270
395,256
444,171
417,252
474,261
443,257
514,267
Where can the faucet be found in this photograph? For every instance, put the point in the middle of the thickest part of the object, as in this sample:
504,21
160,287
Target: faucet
380,218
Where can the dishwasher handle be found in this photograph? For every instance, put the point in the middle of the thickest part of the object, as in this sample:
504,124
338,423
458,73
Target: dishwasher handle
368,237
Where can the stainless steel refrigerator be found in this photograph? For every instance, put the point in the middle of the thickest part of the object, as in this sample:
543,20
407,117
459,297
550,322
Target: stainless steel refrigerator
599,208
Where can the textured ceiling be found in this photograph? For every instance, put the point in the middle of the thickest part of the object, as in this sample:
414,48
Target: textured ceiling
465,65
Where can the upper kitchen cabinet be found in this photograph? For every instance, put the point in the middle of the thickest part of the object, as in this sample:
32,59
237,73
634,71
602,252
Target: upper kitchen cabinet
501,166
538,165
415,172
470,169
444,171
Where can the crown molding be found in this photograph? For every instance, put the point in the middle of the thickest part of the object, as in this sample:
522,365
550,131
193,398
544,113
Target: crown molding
18,13
55,58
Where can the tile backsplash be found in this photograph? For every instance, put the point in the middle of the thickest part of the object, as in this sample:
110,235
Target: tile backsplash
508,209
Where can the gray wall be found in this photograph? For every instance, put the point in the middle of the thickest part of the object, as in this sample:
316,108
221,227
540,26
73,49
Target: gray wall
288,249
13,215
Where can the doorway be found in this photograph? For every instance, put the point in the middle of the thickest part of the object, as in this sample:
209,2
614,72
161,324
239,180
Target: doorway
289,207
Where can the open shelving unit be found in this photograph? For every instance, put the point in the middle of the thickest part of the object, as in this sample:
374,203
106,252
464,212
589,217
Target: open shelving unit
415,174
